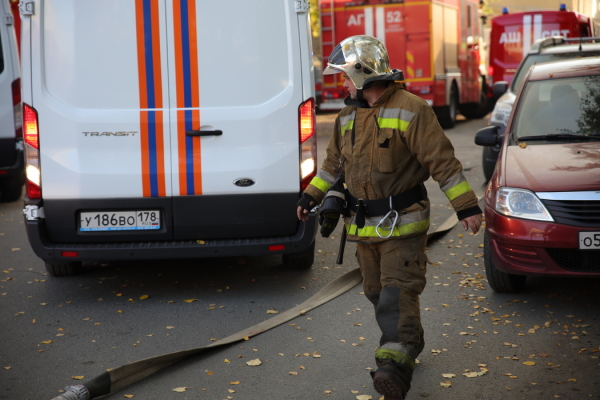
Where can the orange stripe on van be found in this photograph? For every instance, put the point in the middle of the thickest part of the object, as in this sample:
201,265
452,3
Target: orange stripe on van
195,95
139,19
179,97
160,147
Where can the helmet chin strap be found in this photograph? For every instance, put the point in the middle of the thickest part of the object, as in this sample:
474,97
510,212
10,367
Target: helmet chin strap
359,95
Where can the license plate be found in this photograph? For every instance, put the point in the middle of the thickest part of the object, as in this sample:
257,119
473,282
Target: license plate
119,220
589,240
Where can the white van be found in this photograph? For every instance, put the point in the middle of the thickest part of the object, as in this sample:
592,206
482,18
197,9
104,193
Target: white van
12,169
167,129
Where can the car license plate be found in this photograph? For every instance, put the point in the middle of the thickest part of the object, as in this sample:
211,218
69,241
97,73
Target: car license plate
589,240
119,220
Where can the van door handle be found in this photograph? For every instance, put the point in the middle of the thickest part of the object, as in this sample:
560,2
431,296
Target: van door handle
204,133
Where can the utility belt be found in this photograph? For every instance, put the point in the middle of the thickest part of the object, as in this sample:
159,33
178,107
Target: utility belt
388,207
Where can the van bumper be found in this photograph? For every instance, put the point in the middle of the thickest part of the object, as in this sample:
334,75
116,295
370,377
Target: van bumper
49,251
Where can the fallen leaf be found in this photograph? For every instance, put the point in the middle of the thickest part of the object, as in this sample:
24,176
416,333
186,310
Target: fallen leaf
170,327
7,367
293,373
449,375
179,389
522,145
46,342
254,363
200,241
471,374
272,312
78,377
231,390
16,249
129,396
446,384
234,383
190,300
364,397
529,363
144,297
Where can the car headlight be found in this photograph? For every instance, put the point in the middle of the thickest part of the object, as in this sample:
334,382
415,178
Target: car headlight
501,113
521,203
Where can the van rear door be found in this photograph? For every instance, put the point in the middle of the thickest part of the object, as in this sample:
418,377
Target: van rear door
235,88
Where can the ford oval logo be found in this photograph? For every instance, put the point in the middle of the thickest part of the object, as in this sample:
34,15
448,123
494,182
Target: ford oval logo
244,182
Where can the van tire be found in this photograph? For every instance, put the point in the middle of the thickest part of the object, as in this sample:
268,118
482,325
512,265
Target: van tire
475,110
500,282
301,260
63,268
11,188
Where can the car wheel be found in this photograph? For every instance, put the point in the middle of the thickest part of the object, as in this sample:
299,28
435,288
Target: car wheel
301,260
447,115
63,268
11,188
475,110
501,282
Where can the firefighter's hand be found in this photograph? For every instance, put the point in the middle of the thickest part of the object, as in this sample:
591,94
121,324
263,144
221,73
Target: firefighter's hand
473,222
305,204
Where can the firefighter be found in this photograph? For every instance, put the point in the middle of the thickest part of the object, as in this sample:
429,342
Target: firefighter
386,143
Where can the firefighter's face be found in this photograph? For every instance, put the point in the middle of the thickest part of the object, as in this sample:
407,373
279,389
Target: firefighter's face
349,85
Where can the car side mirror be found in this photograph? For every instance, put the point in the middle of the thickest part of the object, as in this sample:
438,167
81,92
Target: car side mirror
499,89
487,136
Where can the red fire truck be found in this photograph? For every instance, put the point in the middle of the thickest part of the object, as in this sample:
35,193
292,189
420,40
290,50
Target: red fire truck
512,35
435,43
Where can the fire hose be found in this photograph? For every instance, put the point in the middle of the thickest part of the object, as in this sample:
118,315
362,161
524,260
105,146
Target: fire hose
125,375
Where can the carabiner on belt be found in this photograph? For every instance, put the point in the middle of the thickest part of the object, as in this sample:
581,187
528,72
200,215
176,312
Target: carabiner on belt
388,228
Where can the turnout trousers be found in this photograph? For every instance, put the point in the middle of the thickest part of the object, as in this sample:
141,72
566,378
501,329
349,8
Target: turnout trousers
393,278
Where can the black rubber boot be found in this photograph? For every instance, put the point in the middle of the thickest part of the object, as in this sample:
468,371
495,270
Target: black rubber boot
394,373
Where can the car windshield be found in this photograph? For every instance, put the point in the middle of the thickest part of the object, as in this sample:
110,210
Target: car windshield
567,106
542,58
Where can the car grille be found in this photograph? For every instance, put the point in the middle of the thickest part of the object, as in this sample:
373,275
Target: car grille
576,260
583,213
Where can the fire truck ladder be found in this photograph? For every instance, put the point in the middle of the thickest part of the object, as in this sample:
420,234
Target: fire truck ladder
330,44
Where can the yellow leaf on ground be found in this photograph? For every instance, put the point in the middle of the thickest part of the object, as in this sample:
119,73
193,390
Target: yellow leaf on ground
446,384
234,383
179,389
144,297
522,145
46,342
364,397
529,363
272,312
293,373
231,390
449,375
254,363
129,396
170,327
190,300
471,374
78,377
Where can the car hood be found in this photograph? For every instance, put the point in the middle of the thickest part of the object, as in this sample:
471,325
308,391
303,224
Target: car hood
553,167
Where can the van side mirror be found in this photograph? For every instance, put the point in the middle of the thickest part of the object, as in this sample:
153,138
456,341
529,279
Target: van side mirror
499,89
488,136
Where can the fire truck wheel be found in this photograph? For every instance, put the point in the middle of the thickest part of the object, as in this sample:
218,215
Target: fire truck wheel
11,188
475,110
447,114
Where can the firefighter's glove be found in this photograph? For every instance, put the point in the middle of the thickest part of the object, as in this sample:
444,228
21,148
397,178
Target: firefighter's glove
328,222
305,201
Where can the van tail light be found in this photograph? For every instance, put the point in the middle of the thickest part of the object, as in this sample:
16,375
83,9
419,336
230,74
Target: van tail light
308,142
16,96
32,153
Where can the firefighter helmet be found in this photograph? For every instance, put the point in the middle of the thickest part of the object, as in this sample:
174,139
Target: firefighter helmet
364,59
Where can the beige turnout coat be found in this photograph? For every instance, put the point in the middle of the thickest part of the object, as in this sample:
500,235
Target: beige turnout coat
390,148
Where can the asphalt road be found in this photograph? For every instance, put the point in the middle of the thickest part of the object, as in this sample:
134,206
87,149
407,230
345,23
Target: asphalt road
539,344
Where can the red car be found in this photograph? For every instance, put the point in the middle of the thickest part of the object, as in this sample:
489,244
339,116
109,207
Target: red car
542,205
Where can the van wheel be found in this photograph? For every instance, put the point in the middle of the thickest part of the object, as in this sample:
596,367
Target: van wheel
11,188
63,268
501,282
301,260
447,115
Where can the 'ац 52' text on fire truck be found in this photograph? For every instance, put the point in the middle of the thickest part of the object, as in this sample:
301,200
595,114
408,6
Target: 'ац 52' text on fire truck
436,44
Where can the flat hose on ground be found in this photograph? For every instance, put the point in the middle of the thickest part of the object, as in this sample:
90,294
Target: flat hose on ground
118,378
